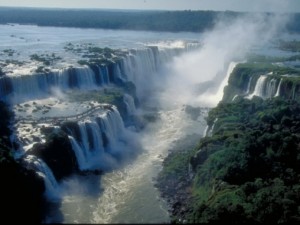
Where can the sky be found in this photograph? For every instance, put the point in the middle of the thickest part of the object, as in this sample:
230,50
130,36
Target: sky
234,5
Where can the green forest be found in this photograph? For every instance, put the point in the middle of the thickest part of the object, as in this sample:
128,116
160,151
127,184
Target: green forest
247,170
174,21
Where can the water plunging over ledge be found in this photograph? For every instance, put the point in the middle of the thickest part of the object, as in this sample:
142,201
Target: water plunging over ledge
128,195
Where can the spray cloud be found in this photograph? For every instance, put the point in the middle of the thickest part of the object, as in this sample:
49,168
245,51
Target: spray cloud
229,41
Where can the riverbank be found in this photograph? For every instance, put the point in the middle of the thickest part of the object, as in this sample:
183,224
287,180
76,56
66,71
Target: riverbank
175,180
246,173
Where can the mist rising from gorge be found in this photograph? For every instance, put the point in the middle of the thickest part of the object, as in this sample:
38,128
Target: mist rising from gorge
195,77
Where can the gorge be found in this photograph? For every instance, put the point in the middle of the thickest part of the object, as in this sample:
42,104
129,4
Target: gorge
99,124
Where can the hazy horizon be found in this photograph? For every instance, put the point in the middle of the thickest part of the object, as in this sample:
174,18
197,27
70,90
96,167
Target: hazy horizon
214,5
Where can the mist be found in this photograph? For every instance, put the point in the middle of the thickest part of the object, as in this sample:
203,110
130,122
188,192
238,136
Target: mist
131,162
195,78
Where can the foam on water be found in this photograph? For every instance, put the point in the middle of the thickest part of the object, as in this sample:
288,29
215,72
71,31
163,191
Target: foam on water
129,195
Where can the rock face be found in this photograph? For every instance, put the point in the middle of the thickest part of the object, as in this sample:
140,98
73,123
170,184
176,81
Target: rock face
22,199
272,81
193,112
57,153
20,187
175,180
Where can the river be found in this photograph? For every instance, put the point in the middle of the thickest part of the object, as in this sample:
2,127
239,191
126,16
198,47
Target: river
127,194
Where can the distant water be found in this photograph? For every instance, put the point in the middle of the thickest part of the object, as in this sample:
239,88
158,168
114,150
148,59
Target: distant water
30,39
126,195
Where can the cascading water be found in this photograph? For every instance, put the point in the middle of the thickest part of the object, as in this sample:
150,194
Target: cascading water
129,195
271,88
224,82
102,77
130,106
34,86
249,86
81,159
278,89
208,130
248,89
259,89
266,88
99,136
101,141
145,62
113,126
45,172
205,131
126,190
141,66
212,96
124,195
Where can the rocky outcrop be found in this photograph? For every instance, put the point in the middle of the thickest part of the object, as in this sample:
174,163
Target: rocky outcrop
175,180
57,153
20,187
193,112
263,80
22,194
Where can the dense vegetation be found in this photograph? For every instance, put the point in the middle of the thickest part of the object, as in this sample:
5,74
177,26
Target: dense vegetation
247,170
251,173
21,189
135,20
243,72
193,21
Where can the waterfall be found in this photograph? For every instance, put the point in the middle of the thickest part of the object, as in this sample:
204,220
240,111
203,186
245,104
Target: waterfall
259,87
266,88
86,78
34,86
271,88
205,131
213,127
98,136
249,85
84,149
97,143
219,94
45,172
278,89
81,159
234,97
129,102
103,75
84,138
5,86
112,125
208,130
118,73
139,67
